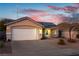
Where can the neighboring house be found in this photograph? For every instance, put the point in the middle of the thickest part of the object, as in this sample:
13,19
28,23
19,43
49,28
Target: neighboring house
26,28
6,20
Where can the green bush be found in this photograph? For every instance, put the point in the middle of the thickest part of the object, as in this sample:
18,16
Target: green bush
61,42
1,44
72,40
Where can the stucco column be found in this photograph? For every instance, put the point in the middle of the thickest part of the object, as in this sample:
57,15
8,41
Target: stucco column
43,33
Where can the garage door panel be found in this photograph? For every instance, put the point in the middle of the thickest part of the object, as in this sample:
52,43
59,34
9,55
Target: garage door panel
24,34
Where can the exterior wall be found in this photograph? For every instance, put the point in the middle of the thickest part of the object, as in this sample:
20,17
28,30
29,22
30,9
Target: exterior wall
8,36
22,24
54,32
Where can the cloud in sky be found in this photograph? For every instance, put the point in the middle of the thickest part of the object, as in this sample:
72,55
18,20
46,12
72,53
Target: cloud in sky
44,16
56,19
71,8
34,12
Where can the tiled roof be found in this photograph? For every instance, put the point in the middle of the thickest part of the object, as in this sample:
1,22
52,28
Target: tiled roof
44,24
47,24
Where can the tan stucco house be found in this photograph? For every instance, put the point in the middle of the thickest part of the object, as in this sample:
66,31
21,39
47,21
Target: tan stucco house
26,28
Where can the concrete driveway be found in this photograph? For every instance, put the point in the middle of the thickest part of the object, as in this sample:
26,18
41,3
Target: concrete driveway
41,48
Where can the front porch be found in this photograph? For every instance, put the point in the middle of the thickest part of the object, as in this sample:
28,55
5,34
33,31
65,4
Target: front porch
48,33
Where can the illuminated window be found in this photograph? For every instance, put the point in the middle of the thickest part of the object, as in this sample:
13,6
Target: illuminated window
40,31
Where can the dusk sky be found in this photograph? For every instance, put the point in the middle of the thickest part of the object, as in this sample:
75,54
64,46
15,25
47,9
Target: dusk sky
37,11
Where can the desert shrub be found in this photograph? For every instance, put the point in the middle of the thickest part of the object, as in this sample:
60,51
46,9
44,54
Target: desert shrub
1,44
9,40
61,42
72,40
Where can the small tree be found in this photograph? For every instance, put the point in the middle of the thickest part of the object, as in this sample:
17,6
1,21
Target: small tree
2,31
2,25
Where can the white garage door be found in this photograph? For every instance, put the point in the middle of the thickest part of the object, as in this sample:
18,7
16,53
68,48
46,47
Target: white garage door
24,34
